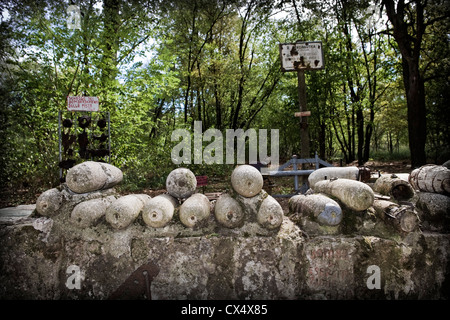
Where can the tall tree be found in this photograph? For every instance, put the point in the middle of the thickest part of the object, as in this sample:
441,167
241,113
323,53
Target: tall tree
111,22
356,69
409,25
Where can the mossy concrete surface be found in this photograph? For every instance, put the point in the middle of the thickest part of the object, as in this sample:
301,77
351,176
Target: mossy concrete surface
37,252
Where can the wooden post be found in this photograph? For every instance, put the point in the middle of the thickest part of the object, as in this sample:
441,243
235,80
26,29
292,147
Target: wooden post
302,56
304,132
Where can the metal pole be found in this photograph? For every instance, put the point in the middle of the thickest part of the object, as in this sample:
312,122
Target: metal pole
294,166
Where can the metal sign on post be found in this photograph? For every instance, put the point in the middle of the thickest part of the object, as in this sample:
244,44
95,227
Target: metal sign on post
302,56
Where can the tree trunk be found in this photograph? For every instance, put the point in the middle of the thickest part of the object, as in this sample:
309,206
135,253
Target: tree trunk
303,106
410,47
415,97
218,108
368,136
390,146
360,133
111,45
322,139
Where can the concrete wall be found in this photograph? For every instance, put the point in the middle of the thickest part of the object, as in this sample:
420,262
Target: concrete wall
214,264
71,248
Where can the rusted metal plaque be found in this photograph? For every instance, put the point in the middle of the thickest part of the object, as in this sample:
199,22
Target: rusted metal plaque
137,285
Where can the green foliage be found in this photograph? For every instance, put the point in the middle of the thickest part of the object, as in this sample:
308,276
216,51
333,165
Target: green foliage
157,66
398,154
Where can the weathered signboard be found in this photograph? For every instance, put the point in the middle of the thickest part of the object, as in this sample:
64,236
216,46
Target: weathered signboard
302,55
330,269
302,114
76,103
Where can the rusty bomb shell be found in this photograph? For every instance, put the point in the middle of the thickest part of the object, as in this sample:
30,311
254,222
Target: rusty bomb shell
393,186
431,178
247,180
401,217
158,211
194,209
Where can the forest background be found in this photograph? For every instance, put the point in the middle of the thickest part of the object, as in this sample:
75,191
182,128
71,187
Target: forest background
159,65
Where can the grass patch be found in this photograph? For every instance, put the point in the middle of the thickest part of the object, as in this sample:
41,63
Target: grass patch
401,153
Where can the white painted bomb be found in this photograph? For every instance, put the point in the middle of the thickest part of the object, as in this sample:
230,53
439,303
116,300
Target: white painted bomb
88,213
270,213
228,211
328,173
317,206
158,211
181,183
247,180
122,212
49,202
91,176
356,195
113,175
195,209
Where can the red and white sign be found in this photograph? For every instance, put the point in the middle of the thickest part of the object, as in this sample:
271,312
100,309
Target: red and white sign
76,103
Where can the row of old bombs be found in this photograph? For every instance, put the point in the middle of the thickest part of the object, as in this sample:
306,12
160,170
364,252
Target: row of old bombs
327,184
229,209
88,191
429,185
88,195
333,187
